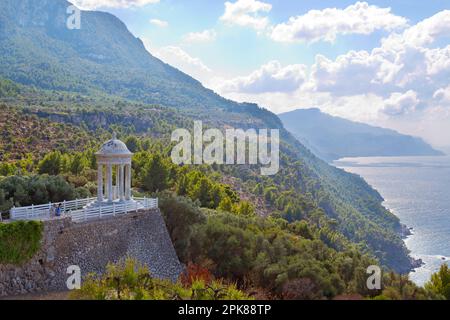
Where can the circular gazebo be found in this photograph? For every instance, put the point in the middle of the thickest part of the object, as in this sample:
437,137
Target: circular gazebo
114,155
112,199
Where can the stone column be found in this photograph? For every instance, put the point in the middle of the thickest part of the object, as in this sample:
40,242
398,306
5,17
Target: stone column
128,182
121,183
100,183
106,184
116,194
109,183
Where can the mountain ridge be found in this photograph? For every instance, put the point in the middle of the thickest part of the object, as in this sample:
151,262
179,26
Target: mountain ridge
332,138
96,58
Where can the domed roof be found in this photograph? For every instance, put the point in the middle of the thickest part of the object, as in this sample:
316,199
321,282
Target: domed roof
114,147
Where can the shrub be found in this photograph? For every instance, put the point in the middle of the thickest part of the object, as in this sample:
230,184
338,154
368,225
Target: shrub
180,215
39,189
300,289
129,280
82,193
195,272
19,241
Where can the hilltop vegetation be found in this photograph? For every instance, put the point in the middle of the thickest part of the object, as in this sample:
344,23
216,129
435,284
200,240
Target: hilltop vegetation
297,252
304,189
8,89
102,58
72,89
24,135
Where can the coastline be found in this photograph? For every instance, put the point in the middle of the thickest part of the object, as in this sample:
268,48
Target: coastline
405,233
421,265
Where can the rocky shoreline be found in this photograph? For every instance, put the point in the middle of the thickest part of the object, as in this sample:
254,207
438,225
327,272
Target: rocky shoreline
416,263
406,232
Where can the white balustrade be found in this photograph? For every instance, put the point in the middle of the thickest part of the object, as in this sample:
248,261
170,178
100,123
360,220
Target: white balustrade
79,211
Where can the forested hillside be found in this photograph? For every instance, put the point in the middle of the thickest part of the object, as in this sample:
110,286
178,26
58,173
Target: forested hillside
347,204
101,78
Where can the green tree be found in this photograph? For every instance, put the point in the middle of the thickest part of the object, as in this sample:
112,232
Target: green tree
146,144
155,174
133,144
202,191
440,282
244,208
226,204
302,229
78,163
28,190
51,164
182,185
180,215
5,204
7,169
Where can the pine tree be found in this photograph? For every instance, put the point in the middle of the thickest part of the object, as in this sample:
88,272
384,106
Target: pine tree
440,282
226,204
154,176
51,164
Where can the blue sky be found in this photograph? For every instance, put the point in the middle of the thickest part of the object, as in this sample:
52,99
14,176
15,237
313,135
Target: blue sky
380,62
241,49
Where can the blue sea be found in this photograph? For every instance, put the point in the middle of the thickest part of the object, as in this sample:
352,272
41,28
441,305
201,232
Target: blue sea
417,190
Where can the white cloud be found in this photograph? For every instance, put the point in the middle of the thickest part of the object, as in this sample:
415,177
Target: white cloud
203,36
180,59
401,103
429,30
159,23
442,96
316,25
393,68
95,4
354,73
402,84
247,13
438,63
271,77
398,65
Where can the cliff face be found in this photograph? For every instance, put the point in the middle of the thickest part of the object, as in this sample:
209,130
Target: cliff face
91,246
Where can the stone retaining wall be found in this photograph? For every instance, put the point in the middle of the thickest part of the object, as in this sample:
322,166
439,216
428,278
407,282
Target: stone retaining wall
91,245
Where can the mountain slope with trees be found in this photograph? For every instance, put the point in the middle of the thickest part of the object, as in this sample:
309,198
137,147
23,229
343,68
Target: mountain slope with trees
101,78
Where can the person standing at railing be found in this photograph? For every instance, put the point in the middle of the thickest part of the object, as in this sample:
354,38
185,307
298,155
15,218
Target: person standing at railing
58,210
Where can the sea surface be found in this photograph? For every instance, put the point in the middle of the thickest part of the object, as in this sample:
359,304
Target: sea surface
417,190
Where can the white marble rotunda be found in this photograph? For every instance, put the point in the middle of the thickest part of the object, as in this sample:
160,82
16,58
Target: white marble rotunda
114,155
